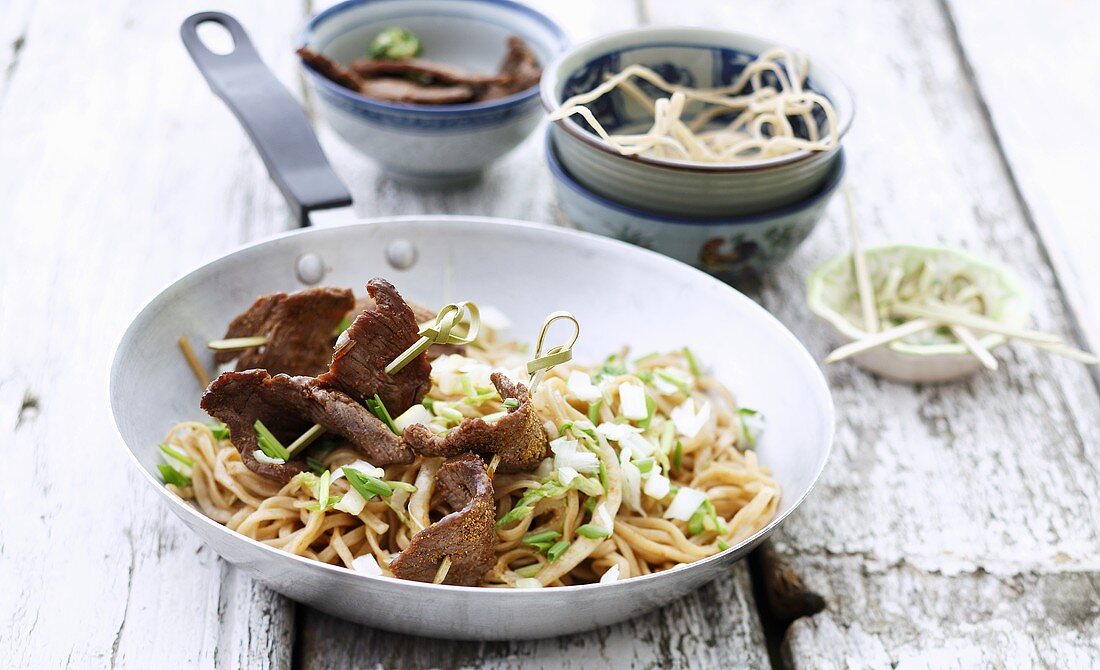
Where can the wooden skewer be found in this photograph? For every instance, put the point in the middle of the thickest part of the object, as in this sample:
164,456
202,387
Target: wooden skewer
863,277
1070,353
237,343
878,339
493,465
444,568
966,336
305,439
193,361
960,318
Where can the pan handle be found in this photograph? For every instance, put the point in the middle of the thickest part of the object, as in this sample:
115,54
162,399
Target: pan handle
272,117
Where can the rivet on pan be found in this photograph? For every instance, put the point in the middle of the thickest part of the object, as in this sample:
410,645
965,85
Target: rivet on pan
310,268
401,254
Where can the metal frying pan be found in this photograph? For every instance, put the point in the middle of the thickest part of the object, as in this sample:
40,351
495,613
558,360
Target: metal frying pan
620,293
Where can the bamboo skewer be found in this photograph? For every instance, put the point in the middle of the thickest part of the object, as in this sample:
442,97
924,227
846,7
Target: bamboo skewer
193,361
863,277
966,336
958,317
878,339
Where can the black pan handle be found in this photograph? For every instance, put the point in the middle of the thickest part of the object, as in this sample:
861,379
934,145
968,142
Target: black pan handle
272,117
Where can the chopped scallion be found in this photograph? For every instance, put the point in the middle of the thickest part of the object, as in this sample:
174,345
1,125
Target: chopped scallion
541,537
677,455
316,466
511,403
367,486
220,430
555,551
644,465
650,408
722,545
594,411
529,570
376,406
176,454
592,531
268,443
693,362
173,476
518,512
324,500
675,381
400,485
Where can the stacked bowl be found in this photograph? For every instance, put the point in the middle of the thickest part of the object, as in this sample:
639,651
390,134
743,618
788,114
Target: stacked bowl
730,219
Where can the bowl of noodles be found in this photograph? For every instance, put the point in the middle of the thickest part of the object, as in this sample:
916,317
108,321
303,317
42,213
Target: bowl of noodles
450,454
696,122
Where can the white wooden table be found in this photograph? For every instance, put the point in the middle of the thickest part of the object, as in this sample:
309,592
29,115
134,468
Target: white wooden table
956,526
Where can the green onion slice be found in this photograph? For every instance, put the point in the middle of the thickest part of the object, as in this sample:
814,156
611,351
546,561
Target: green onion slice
268,443
220,430
376,406
541,537
556,550
173,476
592,531
176,454
366,485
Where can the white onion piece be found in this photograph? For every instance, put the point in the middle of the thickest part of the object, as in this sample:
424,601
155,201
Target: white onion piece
685,503
632,401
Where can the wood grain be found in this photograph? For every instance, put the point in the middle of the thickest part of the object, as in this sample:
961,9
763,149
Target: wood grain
716,627
933,495
1026,90
118,172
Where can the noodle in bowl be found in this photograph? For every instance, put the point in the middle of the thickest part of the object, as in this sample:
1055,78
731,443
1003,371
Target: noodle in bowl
804,103
650,302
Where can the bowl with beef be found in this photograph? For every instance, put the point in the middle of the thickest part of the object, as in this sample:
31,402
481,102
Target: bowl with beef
433,90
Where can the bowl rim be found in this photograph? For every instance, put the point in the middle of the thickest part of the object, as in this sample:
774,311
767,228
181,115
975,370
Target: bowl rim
817,382
824,192
461,109
815,299
550,103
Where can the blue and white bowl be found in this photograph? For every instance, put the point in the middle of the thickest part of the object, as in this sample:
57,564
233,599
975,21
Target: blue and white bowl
693,57
730,248
432,143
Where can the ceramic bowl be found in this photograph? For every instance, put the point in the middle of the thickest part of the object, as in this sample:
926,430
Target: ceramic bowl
695,57
927,357
728,247
431,143
648,301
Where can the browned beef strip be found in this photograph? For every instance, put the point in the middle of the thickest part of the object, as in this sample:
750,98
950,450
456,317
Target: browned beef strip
403,90
466,535
371,68
521,67
331,70
518,437
288,406
237,399
374,339
338,413
298,327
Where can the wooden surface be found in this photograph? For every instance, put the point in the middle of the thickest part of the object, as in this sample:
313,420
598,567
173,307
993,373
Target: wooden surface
955,526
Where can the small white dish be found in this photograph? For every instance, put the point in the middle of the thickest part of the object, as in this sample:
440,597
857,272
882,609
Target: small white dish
930,356
433,144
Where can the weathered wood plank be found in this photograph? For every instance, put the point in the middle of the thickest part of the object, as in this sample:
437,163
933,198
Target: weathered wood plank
903,616
118,172
1042,64
716,627
994,476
